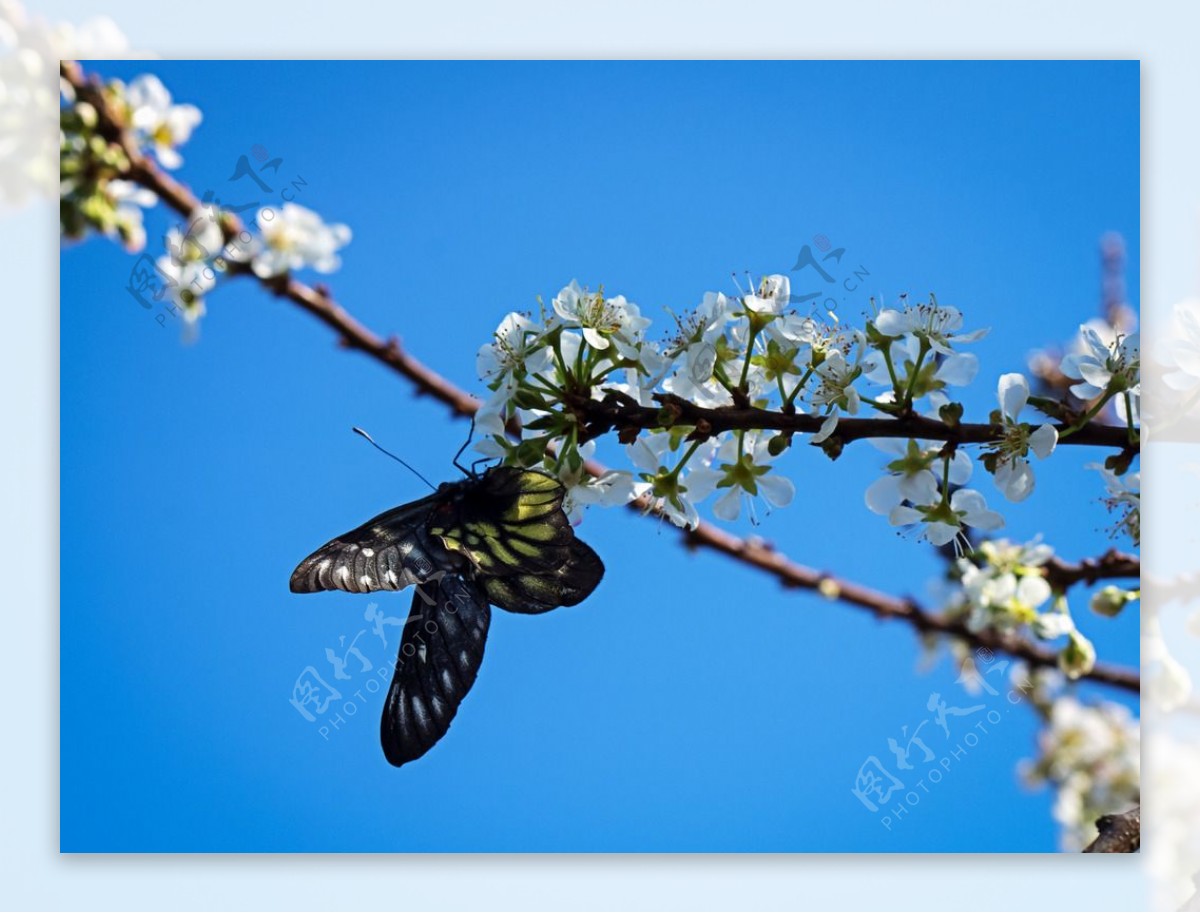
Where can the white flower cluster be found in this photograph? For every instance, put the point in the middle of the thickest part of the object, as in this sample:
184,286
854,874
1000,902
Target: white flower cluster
1092,754
94,192
290,238
752,350
1003,587
96,195
1108,365
158,124
30,49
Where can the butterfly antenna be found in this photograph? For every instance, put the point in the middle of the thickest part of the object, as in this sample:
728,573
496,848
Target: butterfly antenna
466,444
371,441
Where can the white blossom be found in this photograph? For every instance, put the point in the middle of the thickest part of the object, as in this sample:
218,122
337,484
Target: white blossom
1008,588
130,200
675,491
517,349
935,324
1013,473
942,523
696,339
187,267
770,297
614,488
1124,499
157,120
744,471
1104,366
295,237
490,427
603,320
915,474
1092,753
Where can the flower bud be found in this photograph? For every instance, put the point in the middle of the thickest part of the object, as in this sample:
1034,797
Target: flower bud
1110,601
1078,657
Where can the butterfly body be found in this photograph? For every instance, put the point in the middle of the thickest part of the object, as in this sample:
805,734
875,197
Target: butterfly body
500,538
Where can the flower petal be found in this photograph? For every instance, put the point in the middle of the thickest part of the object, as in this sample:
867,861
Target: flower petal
940,533
1013,393
1015,479
729,505
958,370
904,516
883,494
827,428
1043,441
776,490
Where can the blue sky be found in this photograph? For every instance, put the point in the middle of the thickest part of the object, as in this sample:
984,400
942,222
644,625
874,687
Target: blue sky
689,704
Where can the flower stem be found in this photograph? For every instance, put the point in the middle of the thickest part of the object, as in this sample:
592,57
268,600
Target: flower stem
1087,416
887,360
800,386
683,460
916,371
749,353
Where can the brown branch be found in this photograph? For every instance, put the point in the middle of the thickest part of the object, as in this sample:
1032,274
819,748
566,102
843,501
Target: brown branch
318,302
622,413
1118,833
1062,575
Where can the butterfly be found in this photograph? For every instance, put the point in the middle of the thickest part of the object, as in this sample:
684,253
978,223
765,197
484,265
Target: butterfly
497,538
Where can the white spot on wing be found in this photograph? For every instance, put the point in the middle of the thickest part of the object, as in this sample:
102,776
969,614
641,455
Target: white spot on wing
368,553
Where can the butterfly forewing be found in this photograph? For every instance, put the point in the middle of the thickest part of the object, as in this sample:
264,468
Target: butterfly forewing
390,552
439,658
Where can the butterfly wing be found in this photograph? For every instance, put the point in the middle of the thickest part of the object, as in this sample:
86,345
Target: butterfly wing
569,583
440,654
515,532
390,552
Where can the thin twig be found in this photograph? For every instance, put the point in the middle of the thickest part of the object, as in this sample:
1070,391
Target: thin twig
352,334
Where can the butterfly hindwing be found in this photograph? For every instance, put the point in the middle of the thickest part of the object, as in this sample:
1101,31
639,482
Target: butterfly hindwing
569,583
390,552
440,654
514,530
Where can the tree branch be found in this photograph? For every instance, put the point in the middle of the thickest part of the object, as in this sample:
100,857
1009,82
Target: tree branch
618,412
1062,575
1118,833
351,334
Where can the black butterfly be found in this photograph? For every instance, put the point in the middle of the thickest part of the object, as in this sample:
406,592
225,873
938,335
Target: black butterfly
502,538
